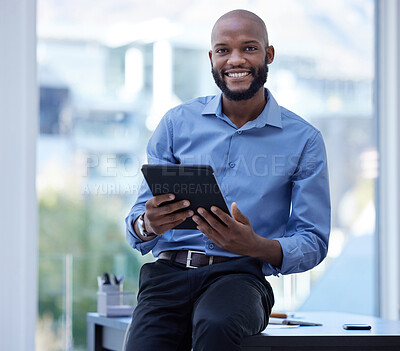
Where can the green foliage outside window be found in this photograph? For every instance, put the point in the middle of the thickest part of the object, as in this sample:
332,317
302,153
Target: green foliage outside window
88,234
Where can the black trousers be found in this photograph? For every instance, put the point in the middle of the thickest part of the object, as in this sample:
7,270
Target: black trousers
208,308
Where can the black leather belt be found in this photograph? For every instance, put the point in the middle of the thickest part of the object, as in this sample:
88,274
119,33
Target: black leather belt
192,259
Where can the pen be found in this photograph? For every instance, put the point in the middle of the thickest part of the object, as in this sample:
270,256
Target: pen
282,321
106,278
278,315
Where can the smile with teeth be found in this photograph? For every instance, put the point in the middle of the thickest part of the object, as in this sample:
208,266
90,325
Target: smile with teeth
238,75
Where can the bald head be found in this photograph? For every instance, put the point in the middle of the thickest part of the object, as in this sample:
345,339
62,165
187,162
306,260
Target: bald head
234,16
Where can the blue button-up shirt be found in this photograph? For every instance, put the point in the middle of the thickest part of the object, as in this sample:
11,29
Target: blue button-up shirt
274,167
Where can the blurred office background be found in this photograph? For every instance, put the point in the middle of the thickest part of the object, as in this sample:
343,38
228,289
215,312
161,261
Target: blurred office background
107,71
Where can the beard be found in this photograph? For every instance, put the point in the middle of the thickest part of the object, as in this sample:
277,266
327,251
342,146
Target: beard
260,75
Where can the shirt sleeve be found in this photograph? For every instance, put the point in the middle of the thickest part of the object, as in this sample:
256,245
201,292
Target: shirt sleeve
159,151
305,243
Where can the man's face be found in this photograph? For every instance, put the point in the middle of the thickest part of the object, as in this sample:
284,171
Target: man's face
259,75
239,57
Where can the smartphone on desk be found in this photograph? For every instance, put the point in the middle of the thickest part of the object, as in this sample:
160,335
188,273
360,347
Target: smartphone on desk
356,327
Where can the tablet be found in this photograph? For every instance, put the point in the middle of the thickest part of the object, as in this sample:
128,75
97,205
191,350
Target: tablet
196,183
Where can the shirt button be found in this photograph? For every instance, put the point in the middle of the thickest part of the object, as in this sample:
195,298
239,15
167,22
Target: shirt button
239,132
231,164
211,246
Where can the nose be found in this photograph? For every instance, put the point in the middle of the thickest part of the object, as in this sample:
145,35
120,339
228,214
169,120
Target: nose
236,58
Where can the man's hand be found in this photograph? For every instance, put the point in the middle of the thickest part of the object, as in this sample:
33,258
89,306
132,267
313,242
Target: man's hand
233,234
160,218
237,235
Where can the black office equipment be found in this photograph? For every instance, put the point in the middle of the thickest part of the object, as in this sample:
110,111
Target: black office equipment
196,183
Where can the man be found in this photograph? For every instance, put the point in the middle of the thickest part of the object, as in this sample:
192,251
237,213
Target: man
270,163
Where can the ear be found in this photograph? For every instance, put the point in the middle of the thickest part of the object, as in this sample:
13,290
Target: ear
210,55
270,52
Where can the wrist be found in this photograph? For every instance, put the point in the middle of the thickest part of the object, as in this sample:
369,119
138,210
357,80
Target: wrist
254,245
142,229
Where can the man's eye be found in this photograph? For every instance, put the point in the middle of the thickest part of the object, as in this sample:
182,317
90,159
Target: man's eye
251,48
221,51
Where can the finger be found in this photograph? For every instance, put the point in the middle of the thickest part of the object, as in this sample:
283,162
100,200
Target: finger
159,199
158,221
204,227
173,207
177,216
211,220
223,216
239,216
172,225
209,232
213,230
198,220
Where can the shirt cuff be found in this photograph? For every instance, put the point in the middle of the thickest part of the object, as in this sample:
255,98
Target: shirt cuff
133,239
292,256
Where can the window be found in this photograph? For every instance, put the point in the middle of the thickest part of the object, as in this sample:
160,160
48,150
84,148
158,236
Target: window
109,70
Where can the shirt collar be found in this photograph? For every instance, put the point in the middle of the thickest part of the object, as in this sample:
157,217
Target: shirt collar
271,114
214,106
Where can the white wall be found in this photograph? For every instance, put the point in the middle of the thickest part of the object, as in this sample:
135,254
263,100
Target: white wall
388,108
18,210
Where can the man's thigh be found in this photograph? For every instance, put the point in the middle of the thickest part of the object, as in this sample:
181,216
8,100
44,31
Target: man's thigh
239,302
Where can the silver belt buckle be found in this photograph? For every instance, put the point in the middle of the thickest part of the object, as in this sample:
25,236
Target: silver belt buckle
189,258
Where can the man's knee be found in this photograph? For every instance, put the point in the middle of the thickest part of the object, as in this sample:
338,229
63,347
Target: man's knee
213,328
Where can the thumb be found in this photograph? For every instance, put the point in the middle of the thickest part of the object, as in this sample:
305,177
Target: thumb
237,215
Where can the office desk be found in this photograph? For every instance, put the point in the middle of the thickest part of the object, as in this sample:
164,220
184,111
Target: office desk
108,334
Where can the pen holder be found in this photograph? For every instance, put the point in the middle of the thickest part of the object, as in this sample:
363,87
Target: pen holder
112,302
113,293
